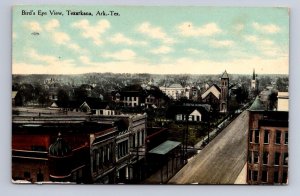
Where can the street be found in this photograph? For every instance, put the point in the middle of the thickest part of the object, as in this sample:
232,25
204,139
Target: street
222,160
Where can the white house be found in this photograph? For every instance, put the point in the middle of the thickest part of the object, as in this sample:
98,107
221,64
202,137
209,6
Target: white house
195,116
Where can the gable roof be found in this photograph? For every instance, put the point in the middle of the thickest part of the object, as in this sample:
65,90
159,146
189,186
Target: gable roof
95,103
13,94
214,89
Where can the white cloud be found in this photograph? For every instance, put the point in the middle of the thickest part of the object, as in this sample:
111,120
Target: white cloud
239,27
194,51
250,38
73,46
269,28
266,47
221,43
162,50
122,55
119,38
61,37
187,29
34,26
155,32
52,24
43,64
93,32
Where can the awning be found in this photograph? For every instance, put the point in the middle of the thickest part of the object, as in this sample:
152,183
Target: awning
165,147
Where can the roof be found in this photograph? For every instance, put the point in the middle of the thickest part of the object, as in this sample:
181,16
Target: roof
175,86
96,103
214,89
283,95
165,147
13,94
225,75
60,148
257,105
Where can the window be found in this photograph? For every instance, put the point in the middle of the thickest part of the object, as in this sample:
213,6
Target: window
276,179
40,176
278,137
143,137
277,158
254,175
256,136
255,157
27,175
286,138
94,160
138,139
285,158
284,177
265,158
264,176
266,136
250,136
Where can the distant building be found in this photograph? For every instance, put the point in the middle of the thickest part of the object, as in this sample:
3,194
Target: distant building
267,145
283,101
224,92
253,82
175,91
212,95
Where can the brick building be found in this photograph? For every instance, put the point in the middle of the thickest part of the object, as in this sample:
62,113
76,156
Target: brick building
267,145
79,149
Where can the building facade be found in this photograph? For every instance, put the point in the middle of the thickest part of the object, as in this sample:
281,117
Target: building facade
88,149
267,145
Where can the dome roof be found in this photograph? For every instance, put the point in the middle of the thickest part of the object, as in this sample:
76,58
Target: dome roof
60,148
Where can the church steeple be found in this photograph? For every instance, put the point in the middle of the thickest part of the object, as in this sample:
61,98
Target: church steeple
253,77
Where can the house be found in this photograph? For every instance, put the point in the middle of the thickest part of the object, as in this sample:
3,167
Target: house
72,106
129,96
14,98
194,112
155,98
96,106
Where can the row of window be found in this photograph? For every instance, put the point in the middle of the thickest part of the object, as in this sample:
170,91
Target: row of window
279,158
267,134
138,139
102,157
191,117
122,149
131,98
253,176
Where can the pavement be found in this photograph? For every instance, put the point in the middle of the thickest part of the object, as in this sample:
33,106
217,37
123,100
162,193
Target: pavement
222,160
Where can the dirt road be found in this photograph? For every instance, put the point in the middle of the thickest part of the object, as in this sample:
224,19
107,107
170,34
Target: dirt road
222,160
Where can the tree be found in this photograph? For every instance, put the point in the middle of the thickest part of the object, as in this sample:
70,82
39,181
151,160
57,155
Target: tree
80,94
242,94
62,95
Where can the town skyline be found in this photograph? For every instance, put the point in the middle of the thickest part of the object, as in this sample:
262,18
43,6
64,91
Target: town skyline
203,40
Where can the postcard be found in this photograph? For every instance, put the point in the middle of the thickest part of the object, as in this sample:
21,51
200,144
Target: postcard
150,95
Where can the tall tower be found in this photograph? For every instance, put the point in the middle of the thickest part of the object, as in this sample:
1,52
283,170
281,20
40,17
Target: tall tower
224,92
253,81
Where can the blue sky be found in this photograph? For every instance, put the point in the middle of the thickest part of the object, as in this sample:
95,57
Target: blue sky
164,40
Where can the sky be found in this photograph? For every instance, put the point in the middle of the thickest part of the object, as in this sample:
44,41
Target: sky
158,40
